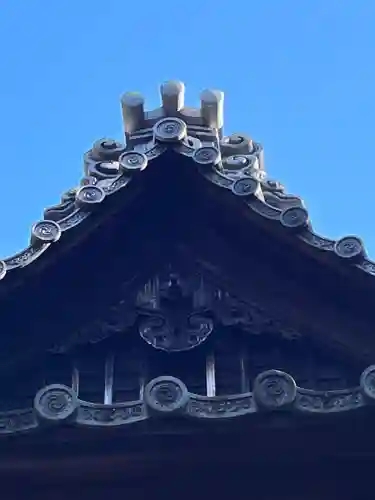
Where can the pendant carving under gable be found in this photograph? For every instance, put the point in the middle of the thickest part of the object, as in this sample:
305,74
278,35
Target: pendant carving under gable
175,312
179,312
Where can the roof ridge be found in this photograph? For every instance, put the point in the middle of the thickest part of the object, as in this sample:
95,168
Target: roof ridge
234,163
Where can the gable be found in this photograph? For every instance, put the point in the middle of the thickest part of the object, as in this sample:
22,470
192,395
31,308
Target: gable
178,246
226,357
117,174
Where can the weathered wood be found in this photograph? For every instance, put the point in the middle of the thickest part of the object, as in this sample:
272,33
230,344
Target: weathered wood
191,313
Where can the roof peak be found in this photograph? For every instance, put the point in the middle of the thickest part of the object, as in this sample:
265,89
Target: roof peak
210,114
234,163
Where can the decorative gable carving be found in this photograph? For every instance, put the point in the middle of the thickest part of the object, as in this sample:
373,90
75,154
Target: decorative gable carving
177,311
180,345
190,386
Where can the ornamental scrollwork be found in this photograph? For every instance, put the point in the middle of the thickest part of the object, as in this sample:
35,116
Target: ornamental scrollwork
45,232
367,384
169,334
294,218
328,401
166,395
63,209
234,162
56,403
170,130
16,421
273,391
174,312
100,415
221,406
133,161
178,311
349,247
89,195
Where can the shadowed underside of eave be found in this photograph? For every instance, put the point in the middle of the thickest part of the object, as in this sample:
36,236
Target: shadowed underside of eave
130,266
125,250
145,237
298,460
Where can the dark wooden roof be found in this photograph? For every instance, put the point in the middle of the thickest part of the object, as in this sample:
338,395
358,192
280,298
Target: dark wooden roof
233,164
180,191
332,460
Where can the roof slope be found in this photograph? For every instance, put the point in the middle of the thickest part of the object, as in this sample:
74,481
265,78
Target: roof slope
232,163
170,145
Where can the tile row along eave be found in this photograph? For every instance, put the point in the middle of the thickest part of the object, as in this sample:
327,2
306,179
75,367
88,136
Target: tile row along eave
273,391
92,196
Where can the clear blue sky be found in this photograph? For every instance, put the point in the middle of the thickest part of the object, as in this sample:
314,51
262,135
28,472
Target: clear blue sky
298,76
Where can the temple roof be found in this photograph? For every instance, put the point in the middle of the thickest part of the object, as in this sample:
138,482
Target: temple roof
232,164
177,157
179,192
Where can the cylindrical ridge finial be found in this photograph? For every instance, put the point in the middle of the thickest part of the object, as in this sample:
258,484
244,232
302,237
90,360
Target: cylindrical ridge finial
132,111
212,108
172,96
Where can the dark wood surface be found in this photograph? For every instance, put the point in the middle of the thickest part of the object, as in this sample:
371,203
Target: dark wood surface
268,458
137,243
184,220
330,460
